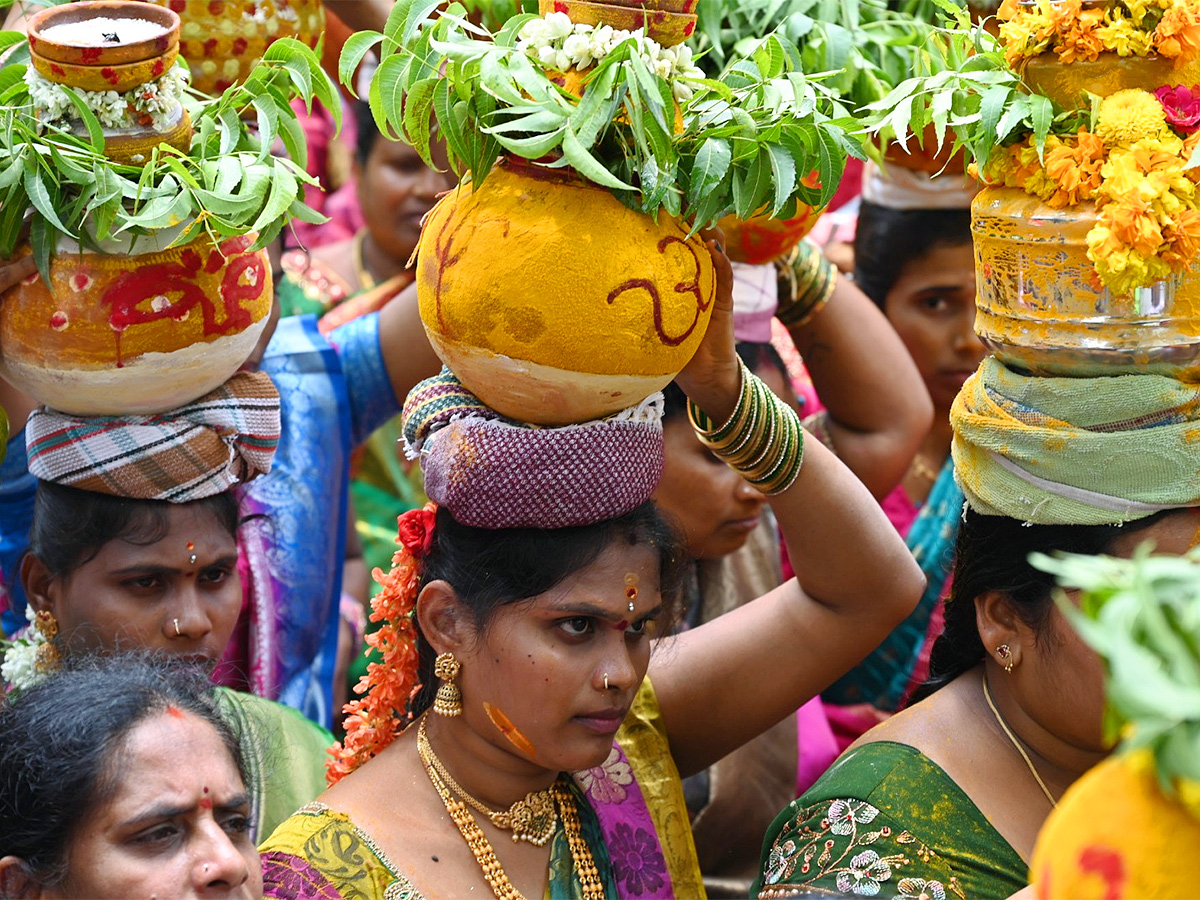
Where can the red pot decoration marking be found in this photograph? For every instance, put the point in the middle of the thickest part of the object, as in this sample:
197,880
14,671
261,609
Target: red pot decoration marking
157,68
58,321
109,75
559,6
684,287
1108,866
57,69
87,55
688,29
216,7
239,46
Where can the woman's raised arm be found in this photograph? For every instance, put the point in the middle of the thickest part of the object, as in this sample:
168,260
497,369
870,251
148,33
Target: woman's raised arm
725,682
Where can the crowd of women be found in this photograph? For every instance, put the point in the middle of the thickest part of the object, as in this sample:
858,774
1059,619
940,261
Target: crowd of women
842,677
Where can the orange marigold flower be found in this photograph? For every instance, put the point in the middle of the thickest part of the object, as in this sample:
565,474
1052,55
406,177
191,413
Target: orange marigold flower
1134,225
1074,166
1183,239
374,720
1178,33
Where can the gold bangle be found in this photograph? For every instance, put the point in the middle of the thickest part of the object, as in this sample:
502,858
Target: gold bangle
810,282
762,440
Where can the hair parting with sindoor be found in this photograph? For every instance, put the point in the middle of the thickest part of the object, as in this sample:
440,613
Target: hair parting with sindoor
489,568
993,555
61,743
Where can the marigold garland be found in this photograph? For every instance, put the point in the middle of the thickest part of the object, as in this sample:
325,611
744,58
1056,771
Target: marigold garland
374,720
1168,28
1134,167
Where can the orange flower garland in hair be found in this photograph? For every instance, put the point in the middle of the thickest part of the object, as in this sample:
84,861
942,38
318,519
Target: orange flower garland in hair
374,720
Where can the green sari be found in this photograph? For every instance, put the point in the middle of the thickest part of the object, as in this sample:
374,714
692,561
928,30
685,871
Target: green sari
886,821
284,755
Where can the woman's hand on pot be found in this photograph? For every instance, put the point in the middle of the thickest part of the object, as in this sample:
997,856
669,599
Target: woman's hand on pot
712,379
13,271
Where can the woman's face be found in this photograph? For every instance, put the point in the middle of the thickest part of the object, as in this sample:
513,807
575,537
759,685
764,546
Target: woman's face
395,190
932,307
534,682
152,596
713,506
1073,711
176,824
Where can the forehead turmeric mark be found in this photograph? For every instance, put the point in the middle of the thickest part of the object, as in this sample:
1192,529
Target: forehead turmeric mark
510,731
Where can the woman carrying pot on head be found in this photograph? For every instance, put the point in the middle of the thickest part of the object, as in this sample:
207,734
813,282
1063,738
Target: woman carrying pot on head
948,795
134,547
913,257
335,390
118,779
535,590
733,542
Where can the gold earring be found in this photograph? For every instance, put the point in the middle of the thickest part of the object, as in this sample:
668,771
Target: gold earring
448,700
47,658
1005,654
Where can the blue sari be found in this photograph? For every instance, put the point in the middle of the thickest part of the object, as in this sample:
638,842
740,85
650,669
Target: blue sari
882,679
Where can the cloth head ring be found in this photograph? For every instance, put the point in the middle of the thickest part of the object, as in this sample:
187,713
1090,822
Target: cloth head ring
491,472
203,448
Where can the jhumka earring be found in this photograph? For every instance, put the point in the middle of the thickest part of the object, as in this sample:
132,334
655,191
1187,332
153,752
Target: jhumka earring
448,700
1005,654
47,659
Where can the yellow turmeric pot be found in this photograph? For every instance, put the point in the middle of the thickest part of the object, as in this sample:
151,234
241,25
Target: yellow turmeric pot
552,301
1115,835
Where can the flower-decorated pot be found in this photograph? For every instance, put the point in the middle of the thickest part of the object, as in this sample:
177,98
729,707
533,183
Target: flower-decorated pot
128,49
134,69
1065,84
139,332
223,39
1041,306
1116,834
761,239
555,303
667,28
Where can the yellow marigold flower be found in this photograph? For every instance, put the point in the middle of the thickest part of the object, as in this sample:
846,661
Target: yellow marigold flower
1177,36
1125,179
1137,9
1129,116
1123,38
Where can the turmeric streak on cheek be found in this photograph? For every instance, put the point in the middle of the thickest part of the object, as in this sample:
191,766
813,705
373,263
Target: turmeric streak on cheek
510,731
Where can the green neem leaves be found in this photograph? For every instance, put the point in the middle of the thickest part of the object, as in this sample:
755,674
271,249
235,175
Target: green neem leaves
744,141
226,184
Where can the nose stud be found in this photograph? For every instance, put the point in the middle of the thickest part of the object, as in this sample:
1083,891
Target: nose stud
606,681
177,631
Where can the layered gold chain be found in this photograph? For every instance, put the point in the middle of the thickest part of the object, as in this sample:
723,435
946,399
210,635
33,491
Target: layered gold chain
481,847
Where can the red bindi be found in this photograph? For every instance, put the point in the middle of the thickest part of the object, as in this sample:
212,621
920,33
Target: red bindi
206,789
622,625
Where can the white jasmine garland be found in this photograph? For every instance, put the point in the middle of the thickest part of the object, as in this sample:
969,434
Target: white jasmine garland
19,668
556,42
158,99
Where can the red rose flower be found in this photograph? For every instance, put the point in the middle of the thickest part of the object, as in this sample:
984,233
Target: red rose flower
1182,106
416,530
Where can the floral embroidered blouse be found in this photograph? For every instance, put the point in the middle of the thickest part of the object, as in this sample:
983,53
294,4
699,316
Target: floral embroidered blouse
885,821
631,809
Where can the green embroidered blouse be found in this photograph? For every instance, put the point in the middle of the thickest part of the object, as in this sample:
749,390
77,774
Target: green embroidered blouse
886,821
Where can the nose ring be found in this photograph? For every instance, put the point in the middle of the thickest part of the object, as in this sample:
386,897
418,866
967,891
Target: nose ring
606,681
178,633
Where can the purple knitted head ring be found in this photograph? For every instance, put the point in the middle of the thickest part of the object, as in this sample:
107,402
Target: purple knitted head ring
492,472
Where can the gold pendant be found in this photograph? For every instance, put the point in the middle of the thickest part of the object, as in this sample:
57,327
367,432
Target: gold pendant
533,818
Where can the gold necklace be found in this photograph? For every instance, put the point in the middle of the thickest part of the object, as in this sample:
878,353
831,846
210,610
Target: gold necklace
1012,737
481,847
924,470
365,280
532,819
